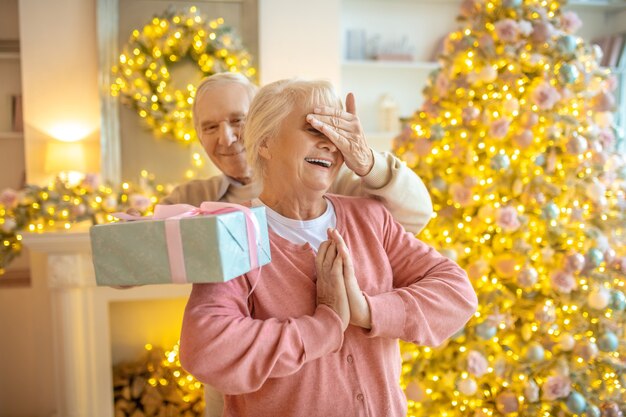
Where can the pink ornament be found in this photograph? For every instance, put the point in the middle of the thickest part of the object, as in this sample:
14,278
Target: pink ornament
524,139
470,114
507,402
476,363
570,22
423,147
415,392
586,350
9,198
507,30
545,96
507,219
604,101
556,386
461,195
574,262
542,32
563,281
499,128
529,119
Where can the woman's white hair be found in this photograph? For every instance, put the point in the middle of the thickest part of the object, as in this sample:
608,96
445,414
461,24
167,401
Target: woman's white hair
272,105
220,78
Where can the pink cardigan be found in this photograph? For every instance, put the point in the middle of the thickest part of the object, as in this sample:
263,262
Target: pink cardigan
278,354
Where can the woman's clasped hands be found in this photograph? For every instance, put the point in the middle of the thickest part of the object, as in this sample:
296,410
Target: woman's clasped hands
337,286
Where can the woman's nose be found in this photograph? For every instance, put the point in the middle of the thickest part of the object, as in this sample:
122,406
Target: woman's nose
326,143
228,136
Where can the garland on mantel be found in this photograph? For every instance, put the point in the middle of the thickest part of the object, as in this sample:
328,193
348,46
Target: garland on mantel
60,206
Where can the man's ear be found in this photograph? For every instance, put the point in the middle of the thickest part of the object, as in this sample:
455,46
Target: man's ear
264,150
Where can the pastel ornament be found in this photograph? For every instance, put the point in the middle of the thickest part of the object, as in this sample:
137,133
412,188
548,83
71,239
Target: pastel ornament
531,391
562,281
477,364
596,191
9,225
618,300
568,74
485,330
529,119
500,162
437,132
542,31
603,102
550,211
603,119
415,392
599,298
610,409
595,257
507,402
545,313
576,403
574,262
576,145
513,3
566,342
567,44
524,139
586,350
593,411
535,352
527,277
608,342
467,386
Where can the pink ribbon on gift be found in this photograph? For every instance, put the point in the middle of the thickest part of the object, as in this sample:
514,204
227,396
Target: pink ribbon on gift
172,214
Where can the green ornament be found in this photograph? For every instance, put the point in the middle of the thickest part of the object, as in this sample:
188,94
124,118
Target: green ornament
500,162
568,74
595,256
437,132
576,403
550,211
567,44
618,300
608,342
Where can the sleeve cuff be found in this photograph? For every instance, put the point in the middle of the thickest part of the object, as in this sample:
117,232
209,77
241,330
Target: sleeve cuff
320,333
380,174
388,315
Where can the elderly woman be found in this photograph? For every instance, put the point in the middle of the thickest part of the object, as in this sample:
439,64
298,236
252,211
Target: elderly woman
315,332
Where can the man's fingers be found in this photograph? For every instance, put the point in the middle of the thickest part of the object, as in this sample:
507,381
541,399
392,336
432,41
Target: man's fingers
350,104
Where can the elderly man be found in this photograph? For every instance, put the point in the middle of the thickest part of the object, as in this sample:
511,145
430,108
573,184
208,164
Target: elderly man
219,113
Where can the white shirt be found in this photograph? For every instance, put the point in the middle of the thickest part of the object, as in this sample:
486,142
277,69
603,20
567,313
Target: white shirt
300,232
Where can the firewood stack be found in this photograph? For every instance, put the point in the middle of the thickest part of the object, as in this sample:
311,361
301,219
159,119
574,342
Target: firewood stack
156,386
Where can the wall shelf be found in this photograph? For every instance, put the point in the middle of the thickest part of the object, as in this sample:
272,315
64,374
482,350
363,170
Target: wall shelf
427,65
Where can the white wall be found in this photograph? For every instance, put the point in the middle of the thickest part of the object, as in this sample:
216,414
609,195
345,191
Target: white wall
59,77
299,38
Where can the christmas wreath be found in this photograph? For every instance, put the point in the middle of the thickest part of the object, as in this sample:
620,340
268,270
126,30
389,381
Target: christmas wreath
143,73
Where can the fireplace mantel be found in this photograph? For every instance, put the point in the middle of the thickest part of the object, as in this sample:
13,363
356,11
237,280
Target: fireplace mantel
80,320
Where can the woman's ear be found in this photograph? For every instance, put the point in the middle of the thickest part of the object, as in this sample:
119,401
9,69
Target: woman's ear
264,150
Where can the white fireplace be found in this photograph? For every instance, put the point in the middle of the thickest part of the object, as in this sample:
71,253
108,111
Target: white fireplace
81,321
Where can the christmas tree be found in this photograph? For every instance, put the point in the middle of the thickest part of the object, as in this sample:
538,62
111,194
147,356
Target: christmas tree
515,141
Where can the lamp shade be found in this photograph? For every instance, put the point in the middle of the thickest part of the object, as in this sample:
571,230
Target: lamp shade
65,157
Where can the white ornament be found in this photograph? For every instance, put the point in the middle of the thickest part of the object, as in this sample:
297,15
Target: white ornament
599,298
467,386
566,342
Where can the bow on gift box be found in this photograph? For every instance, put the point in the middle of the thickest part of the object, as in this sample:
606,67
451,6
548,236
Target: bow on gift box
172,214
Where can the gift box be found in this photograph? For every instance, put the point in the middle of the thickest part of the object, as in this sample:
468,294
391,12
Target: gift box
181,244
